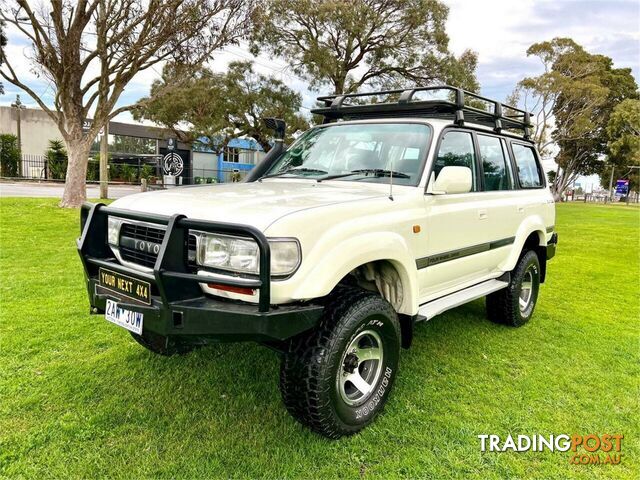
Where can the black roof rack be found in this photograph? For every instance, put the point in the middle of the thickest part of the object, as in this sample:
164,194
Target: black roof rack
442,101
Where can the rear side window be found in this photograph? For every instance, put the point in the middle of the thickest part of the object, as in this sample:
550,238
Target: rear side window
528,172
456,150
494,165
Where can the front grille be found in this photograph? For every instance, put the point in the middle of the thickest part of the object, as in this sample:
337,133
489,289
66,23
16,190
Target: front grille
148,240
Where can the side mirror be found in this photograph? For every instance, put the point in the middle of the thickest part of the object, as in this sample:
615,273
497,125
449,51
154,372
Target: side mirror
453,180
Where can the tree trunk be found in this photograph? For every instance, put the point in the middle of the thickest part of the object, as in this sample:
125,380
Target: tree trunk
75,184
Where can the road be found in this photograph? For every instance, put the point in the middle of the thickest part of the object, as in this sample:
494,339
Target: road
35,189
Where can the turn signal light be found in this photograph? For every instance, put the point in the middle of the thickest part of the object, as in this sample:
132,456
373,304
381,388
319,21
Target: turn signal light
232,289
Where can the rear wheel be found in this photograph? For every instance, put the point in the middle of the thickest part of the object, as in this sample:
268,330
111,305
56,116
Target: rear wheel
337,379
515,304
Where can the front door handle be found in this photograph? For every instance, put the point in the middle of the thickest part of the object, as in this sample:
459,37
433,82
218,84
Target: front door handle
482,214
520,209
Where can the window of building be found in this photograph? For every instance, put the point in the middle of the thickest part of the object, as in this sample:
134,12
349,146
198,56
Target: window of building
232,154
494,165
529,174
456,150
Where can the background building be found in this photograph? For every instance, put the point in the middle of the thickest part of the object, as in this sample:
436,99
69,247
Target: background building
134,151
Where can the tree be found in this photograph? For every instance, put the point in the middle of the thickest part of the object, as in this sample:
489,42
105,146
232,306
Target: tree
623,130
57,159
572,101
221,106
9,155
348,44
89,50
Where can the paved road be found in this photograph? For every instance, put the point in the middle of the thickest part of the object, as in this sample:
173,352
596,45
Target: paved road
34,189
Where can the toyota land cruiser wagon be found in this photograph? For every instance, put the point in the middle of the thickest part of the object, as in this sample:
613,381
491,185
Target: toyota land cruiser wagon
401,205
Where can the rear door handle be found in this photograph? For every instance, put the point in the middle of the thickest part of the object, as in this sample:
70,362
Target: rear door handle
482,214
520,209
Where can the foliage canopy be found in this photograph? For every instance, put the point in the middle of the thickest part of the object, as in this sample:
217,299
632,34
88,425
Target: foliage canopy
347,44
220,106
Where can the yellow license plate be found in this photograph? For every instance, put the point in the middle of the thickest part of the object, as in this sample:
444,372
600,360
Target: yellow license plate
125,286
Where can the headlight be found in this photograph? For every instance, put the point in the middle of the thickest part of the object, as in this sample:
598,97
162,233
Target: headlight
113,229
242,255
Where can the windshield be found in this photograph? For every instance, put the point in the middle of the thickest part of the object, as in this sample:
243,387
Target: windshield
358,152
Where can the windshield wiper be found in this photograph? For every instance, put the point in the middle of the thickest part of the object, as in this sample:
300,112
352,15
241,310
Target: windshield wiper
295,170
378,172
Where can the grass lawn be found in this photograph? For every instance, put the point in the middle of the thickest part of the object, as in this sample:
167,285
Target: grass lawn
78,398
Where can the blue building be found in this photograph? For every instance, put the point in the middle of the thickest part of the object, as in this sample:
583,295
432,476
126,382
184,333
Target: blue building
239,156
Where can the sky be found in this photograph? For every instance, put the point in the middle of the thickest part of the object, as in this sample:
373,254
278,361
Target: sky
500,31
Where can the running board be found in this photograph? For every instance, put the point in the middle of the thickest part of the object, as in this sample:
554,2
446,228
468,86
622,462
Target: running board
442,304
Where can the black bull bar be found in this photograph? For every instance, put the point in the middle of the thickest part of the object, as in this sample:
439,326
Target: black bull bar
177,289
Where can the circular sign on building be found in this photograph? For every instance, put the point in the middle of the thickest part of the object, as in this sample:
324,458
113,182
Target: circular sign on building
172,164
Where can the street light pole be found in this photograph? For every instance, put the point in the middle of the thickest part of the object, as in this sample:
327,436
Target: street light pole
19,106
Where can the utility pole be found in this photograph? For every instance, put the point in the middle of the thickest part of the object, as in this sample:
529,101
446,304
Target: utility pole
19,106
104,141
611,195
104,166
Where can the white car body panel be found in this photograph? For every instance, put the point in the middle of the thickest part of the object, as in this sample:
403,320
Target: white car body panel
343,224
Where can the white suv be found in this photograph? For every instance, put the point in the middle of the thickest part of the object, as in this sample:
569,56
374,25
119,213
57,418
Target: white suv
401,205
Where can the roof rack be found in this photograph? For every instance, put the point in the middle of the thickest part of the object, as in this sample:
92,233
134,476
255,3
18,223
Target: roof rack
442,101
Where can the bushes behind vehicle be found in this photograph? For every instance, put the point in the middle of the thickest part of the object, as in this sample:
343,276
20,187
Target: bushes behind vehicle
9,155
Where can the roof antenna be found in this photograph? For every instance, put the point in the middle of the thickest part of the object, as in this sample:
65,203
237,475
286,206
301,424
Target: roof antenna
391,181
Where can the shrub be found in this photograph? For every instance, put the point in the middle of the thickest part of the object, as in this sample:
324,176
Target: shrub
128,173
147,171
93,169
57,160
9,155
114,171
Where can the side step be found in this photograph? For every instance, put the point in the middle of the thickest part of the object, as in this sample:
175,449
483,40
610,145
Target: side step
442,304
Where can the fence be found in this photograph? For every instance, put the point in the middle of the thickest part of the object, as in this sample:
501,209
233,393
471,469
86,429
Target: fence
34,167
38,167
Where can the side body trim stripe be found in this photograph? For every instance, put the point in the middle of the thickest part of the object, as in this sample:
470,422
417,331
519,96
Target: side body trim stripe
425,262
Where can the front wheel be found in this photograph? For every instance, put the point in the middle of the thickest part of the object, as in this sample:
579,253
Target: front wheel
514,305
337,379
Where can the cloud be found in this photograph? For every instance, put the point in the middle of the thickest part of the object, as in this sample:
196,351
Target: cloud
499,30
502,30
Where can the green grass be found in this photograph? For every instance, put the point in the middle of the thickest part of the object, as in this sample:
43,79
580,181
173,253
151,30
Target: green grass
78,398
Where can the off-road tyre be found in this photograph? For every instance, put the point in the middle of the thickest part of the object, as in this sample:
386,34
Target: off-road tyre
309,374
505,306
161,345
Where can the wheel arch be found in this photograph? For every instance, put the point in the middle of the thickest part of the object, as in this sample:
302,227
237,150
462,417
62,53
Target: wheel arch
379,253
530,236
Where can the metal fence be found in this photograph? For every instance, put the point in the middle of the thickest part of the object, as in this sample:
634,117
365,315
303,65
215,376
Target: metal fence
38,167
34,167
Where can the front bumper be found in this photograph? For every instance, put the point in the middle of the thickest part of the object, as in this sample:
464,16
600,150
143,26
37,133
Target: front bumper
178,308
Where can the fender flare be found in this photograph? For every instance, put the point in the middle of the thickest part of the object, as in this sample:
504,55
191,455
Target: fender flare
364,248
533,224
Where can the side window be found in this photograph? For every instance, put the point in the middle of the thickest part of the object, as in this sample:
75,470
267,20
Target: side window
496,176
528,172
456,150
